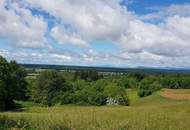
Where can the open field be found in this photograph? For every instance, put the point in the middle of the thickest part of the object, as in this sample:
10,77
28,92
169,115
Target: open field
150,113
180,94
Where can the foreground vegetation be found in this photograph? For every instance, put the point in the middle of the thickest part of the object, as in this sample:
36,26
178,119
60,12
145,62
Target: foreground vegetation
150,113
87,100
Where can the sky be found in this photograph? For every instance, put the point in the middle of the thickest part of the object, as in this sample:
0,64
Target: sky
113,33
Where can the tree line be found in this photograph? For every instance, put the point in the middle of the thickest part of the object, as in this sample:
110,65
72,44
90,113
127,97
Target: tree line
85,87
89,87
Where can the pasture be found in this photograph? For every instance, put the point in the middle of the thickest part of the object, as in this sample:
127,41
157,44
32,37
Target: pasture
154,112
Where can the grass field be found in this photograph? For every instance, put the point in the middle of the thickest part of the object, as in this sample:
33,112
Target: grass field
150,113
180,94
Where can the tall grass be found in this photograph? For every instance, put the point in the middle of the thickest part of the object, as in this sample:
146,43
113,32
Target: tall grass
150,113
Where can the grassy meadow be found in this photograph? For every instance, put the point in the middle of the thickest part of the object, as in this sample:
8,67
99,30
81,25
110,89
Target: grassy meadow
149,113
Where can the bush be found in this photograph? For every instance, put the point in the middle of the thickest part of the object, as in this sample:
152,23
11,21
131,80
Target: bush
124,100
117,93
144,92
90,95
148,86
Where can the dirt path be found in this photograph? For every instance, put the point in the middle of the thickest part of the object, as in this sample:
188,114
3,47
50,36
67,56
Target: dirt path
176,94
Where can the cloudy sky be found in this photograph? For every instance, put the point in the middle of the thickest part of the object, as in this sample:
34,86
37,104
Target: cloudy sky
119,33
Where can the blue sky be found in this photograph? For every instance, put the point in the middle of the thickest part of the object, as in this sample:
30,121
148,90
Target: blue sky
140,6
128,33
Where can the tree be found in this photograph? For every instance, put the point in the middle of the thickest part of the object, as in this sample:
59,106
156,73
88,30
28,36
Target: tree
138,75
113,90
90,75
12,83
48,86
3,95
128,82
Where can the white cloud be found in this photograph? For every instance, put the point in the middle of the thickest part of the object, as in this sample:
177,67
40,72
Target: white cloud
64,36
62,57
4,53
23,56
160,12
107,20
95,19
22,28
141,43
171,38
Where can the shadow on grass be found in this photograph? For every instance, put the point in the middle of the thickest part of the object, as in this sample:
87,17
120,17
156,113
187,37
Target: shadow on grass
18,108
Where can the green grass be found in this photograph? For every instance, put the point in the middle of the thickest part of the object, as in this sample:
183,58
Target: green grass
149,113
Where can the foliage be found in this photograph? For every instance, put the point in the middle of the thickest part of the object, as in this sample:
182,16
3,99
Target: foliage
88,75
124,100
13,85
128,82
137,75
176,81
7,123
148,86
151,113
117,93
49,84
51,88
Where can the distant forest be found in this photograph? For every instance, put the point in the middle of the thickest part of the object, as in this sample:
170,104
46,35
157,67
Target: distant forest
106,69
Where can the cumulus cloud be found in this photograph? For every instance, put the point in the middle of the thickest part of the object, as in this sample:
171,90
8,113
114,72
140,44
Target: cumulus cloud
95,19
108,20
172,38
80,22
65,36
21,27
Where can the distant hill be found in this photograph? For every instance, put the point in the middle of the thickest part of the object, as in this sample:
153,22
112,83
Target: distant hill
107,69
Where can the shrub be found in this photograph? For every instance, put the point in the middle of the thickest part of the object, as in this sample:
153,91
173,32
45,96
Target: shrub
90,95
144,92
117,93
124,100
148,86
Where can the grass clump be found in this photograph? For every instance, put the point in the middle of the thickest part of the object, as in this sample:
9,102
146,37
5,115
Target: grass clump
6,123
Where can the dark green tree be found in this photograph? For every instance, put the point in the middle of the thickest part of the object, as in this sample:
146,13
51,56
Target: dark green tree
13,85
48,86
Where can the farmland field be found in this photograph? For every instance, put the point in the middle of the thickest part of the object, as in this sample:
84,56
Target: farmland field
177,94
154,112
